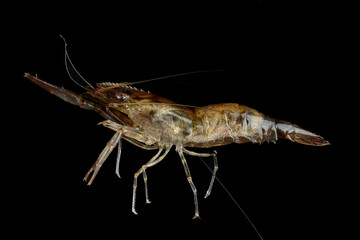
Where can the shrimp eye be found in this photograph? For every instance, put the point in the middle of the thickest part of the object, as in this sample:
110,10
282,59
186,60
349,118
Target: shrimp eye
121,97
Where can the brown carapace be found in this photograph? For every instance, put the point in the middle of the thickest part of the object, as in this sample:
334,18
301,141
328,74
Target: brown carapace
152,122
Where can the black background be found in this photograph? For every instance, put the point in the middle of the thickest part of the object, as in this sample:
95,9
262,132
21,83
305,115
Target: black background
288,60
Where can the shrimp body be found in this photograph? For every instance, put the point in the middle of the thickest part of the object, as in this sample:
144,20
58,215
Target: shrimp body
152,122
215,125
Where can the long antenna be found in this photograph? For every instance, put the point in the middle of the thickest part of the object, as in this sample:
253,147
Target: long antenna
69,63
233,199
124,84
172,76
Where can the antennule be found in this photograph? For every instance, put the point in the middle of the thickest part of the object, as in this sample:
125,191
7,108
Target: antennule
70,67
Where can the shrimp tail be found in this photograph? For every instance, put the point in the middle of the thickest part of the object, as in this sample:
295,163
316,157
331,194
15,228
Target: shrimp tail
297,134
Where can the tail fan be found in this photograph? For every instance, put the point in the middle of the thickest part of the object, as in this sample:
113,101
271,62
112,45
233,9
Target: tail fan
297,134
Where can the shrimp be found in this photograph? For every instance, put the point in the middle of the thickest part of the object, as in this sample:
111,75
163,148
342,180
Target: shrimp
153,122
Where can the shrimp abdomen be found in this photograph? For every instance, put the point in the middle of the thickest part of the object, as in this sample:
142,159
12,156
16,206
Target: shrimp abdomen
231,122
